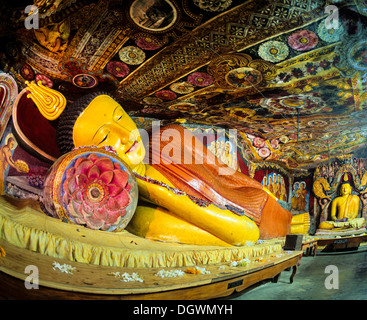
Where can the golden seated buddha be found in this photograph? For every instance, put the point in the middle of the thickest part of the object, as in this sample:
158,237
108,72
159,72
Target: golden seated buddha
344,210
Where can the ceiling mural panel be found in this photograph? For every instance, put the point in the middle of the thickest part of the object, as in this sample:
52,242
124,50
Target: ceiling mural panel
290,80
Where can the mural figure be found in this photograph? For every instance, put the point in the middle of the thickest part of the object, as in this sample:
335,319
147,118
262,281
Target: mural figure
275,184
299,199
6,160
270,184
283,192
224,151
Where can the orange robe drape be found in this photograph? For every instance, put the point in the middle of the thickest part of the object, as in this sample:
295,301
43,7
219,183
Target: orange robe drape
192,168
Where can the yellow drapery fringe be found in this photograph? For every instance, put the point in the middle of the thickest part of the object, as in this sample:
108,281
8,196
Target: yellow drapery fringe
25,226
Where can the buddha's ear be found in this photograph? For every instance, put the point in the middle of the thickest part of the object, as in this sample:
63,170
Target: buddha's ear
49,102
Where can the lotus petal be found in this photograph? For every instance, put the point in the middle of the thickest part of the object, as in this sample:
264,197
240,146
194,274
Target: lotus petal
87,210
70,172
77,196
104,164
74,209
93,173
83,166
113,217
93,157
106,177
112,204
94,223
72,185
66,198
120,178
123,212
81,180
114,189
101,214
123,199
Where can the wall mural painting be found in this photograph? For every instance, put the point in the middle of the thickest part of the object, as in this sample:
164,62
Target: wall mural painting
276,185
225,151
300,197
224,146
6,159
21,175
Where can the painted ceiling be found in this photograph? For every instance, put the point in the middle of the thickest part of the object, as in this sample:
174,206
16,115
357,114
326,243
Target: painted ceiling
289,75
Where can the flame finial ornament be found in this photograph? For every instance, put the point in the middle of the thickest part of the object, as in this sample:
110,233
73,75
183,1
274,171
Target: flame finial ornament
49,102
345,177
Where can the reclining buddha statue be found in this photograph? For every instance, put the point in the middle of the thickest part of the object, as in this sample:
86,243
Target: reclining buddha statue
182,201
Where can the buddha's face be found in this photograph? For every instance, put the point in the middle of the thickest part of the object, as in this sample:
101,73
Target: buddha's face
345,189
105,123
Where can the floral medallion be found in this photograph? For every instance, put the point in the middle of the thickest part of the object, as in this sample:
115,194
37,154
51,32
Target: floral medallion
147,43
47,82
258,142
132,55
243,77
264,152
329,34
303,40
152,100
183,107
273,51
27,72
182,87
166,95
317,123
304,104
118,69
91,187
200,79
85,81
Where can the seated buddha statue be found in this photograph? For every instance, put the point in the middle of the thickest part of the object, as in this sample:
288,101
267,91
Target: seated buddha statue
344,209
204,204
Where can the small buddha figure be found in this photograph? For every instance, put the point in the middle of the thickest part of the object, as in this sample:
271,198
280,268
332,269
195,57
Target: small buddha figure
344,209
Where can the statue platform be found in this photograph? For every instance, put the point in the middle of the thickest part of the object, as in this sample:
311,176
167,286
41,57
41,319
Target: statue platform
101,261
337,241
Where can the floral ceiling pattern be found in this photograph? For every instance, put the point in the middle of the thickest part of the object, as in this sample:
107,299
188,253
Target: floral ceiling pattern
289,75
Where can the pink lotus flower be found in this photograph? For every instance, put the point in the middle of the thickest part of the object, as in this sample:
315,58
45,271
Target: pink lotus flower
303,40
259,142
264,152
166,95
96,192
200,79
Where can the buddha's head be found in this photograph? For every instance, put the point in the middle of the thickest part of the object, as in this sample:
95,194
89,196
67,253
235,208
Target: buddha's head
345,189
98,120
